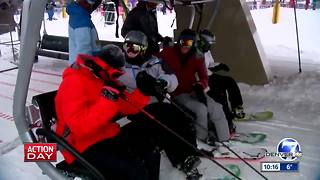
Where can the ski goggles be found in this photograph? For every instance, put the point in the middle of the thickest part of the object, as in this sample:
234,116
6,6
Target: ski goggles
133,48
186,42
91,2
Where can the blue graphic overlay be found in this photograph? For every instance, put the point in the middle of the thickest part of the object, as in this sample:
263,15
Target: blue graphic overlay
287,167
289,149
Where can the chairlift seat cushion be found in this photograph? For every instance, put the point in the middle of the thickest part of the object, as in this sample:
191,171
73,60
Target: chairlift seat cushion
55,43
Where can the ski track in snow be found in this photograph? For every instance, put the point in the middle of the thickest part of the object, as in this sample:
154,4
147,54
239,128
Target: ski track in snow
9,146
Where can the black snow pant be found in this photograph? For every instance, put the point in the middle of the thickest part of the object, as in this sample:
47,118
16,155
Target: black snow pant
127,156
219,87
176,150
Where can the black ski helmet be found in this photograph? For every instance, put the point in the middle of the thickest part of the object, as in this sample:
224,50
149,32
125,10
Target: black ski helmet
112,55
136,37
206,39
188,34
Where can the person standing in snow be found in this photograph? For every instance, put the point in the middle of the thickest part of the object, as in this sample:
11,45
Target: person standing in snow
143,18
223,89
50,10
193,80
88,103
154,78
83,35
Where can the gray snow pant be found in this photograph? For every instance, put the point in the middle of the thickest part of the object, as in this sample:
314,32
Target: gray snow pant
213,112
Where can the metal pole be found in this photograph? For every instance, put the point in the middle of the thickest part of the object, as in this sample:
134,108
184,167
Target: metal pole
12,48
297,33
216,5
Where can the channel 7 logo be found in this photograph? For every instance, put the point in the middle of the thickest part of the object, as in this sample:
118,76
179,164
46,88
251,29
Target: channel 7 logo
289,149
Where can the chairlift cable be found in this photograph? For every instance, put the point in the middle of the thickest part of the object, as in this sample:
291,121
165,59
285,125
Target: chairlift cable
216,4
193,14
199,9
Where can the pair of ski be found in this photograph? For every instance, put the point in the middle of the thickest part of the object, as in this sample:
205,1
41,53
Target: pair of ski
238,144
245,152
238,140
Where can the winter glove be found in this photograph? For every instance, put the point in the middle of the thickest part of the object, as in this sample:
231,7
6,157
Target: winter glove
219,67
160,89
159,38
199,91
110,93
167,41
114,83
149,85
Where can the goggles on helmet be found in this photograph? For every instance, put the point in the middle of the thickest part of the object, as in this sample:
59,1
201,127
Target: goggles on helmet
91,2
133,48
208,39
186,42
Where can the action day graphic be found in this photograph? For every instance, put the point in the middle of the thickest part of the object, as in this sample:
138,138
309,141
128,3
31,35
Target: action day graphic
40,152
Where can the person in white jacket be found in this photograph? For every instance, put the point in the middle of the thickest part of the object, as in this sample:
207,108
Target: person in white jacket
139,60
153,78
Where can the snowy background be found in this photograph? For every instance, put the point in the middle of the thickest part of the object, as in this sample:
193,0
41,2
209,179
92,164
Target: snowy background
294,98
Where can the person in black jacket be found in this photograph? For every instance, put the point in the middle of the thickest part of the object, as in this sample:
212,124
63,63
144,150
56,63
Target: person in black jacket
143,18
223,89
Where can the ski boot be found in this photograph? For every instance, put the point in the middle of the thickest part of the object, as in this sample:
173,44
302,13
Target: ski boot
189,167
193,174
232,129
210,140
238,112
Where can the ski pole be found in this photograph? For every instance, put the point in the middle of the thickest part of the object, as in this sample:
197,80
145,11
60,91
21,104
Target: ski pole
151,117
212,134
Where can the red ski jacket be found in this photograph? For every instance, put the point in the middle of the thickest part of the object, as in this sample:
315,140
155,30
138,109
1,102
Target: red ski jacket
84,117
185,72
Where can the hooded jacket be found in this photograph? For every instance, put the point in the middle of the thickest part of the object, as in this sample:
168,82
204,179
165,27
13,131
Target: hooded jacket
84,117
154,67
142,19
185,68
82,32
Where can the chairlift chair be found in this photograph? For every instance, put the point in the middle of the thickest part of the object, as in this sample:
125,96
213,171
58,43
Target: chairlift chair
42,120
109,13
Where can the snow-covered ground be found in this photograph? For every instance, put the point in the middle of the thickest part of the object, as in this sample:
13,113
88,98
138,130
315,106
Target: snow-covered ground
294,98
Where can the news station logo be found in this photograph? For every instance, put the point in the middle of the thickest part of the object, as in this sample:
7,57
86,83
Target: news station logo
288,149
40,152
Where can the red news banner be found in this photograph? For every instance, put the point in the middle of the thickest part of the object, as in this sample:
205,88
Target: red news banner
40,152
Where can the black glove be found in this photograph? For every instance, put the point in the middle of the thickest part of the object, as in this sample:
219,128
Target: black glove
199,91
167,41
149,85
110,93
159,38
160,89
219,67
114,83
